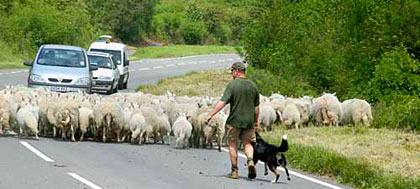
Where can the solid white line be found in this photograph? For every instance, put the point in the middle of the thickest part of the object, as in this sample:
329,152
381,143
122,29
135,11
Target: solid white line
84,181
157,67
295,173
142,69
34,150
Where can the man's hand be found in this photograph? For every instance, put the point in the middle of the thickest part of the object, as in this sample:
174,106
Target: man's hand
207,120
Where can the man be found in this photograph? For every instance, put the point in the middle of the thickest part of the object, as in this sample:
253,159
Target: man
243,97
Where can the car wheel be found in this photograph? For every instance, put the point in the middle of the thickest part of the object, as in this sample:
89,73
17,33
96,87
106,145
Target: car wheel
115,89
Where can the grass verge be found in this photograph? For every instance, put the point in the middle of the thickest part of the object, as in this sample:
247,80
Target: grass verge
179,51
361,157
8,59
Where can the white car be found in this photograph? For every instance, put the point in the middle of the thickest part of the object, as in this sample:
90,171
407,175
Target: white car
120,52
107,76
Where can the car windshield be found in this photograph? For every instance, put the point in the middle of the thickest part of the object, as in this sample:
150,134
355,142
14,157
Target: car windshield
62,57
116,54
101,61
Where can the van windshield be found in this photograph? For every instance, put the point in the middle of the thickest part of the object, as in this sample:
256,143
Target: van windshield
102,62
115,53
62,57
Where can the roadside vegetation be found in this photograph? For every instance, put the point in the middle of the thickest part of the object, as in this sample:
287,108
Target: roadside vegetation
179,51
362,157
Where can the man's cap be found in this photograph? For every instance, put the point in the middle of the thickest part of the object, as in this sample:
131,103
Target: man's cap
239,66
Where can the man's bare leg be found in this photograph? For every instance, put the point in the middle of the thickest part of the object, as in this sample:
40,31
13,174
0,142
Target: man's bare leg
233,152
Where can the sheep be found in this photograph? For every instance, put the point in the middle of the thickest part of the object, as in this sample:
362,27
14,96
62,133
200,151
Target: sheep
268,116
164,125
86,119
291,115
8,110
326,110
27,119
356,111
152,122
182,130
69,111
215,128
137,126
108,118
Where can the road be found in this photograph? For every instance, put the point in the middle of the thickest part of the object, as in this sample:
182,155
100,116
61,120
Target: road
51,163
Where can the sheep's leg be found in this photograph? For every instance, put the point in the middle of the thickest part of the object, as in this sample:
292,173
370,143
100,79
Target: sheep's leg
82,136
297,125
104,134
63,133
72,133
219,142
141,137
118,135
54,131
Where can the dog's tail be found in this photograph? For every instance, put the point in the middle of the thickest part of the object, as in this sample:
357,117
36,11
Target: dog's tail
284,146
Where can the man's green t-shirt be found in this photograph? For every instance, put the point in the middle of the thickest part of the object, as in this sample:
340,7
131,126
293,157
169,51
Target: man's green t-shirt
242,95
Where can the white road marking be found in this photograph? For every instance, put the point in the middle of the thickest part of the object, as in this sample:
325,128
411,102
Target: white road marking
193,63
84,181
142,69
180,64
131,70
37,152
221,60
295,173
231,59
212,61
13,72
157,67
170,65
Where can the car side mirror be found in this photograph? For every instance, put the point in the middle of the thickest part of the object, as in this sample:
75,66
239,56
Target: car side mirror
94,67
28,63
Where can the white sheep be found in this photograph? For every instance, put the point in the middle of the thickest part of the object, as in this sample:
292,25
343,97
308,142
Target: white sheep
182,131
137,126
108,119
356,111
8,110
291,115
86,119
27,119
214,129
268,116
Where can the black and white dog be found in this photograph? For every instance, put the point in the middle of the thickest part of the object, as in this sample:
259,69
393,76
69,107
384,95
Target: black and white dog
267,153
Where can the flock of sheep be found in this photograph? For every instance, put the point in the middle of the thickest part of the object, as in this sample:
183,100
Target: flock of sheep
141,118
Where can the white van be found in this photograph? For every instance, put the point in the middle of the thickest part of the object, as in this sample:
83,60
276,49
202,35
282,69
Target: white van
120,53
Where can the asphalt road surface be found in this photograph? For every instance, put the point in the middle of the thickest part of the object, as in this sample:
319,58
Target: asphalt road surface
51,164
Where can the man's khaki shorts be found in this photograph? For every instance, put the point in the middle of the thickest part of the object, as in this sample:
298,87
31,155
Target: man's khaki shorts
234,133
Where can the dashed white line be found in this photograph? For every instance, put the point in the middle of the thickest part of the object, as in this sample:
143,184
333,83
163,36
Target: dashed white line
221,60
84,181
131,70
142,69
231,59
37,152
157,67
170,65
180,64
212,61
13,72
296,174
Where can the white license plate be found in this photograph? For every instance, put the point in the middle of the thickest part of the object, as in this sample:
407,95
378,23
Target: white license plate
58,89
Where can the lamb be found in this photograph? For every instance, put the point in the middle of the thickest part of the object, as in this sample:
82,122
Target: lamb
268,116
182,131
356,111
326,110
291,115
27,119
86,120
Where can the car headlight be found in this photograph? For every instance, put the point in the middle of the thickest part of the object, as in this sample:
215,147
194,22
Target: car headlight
36,78
83,81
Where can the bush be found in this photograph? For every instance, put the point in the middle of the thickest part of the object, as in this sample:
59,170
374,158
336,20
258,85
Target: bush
397,73
194,33
397,111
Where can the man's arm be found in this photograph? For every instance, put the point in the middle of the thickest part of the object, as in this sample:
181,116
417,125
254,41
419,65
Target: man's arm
219,105
257,114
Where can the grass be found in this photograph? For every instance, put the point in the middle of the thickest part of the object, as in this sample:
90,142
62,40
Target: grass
8,59
362,157
204,83
179,51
